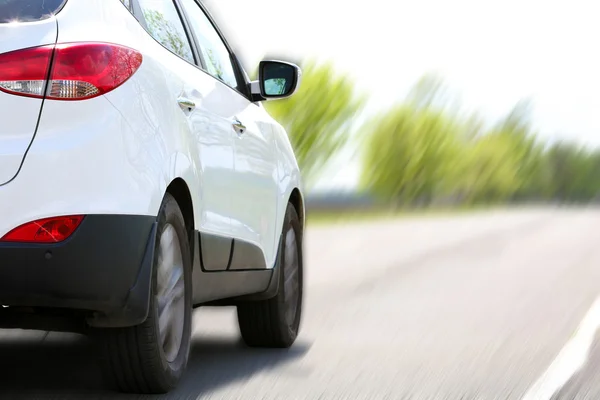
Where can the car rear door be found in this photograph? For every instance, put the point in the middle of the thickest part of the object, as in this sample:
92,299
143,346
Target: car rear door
210,143
253,187
257,192
23,24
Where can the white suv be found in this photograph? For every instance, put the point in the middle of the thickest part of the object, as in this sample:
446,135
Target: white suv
141,177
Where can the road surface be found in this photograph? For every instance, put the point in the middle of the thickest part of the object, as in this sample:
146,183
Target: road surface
492,305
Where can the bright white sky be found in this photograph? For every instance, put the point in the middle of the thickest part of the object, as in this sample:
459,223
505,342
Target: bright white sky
493,52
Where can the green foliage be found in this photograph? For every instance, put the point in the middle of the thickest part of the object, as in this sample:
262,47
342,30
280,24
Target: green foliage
409,154
319,116
214,66
167,34
412,153
429,92
575,172
422,150
489,169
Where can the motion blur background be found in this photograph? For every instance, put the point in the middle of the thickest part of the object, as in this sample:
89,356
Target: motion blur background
434,102
451,253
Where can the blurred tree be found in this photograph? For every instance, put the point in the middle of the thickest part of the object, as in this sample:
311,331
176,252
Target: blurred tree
472,127
412,151
489,169
423,150
525,147
319,116
575,172
410,154
429,92
518,120
167,33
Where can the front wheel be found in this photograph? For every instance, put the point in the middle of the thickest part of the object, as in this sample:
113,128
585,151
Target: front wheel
275,322
151,357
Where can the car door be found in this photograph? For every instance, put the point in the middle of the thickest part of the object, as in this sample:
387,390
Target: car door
201,101
255,204
252,187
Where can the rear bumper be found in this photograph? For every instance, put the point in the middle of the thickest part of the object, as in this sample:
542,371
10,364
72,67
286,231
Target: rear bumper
85,160
104,268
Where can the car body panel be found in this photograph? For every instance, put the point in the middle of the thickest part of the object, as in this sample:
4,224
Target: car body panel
73,167
289,177
19,115
118,153
105,266
255,190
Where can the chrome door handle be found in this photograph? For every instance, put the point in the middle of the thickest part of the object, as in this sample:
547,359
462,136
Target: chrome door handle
238,127
184,103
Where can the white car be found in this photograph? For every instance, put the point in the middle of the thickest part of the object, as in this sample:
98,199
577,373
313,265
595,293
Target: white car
141,177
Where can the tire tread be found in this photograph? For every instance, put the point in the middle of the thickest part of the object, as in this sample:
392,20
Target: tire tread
131,357
262,323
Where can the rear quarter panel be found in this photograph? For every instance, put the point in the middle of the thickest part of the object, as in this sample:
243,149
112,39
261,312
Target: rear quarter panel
288,171
19,115
156,148
155,144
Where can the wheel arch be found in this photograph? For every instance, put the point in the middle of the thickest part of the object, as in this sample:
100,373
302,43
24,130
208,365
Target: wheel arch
297,201
179,189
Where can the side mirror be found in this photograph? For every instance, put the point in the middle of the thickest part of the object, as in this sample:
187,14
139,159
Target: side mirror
276,80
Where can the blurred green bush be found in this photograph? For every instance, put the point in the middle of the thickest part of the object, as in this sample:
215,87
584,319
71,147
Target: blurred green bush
423,151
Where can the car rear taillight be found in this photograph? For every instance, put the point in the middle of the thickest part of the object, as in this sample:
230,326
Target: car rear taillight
70,71
47,230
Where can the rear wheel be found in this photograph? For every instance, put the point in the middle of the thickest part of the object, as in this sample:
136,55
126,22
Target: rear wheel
275,322
151,357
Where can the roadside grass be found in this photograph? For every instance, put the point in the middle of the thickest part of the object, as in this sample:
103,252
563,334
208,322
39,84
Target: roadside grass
323,217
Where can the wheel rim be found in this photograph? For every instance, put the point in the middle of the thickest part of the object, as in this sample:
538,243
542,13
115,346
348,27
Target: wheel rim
292,281
170,292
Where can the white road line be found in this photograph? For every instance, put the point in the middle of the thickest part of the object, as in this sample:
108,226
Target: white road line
570,359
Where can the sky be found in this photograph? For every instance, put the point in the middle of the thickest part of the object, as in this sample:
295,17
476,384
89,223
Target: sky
491,53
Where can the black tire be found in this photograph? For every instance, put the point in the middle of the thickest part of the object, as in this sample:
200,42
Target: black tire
133,359
275,322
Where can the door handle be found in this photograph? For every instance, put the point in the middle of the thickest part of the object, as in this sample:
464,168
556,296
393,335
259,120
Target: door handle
238,127
186,103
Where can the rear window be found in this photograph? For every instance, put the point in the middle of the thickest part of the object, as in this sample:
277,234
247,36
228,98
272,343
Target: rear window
28,10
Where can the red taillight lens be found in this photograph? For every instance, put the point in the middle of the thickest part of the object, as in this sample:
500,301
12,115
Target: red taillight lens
85,70
47,230
79,70
25,72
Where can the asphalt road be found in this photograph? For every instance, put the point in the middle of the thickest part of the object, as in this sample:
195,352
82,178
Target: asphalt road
494,305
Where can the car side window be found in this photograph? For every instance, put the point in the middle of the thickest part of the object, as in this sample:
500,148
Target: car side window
126,3
164,25
214,52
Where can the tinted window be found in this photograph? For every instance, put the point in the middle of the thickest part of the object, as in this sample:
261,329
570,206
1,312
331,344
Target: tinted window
164,24
214,52
28,10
